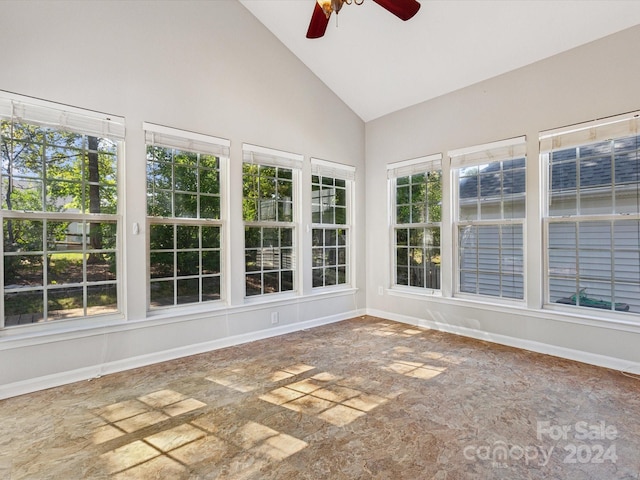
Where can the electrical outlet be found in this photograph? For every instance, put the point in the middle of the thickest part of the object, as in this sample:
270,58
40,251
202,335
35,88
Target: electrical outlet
380,291
274,318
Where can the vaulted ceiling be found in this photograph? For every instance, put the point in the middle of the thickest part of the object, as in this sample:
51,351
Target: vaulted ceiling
378,64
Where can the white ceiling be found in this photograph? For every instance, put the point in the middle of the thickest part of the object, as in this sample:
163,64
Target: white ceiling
378,64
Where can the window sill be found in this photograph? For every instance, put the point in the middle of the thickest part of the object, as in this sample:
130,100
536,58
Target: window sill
412,292
58,330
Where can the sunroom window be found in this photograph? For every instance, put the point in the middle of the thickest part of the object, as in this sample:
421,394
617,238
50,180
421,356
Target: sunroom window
417,214
331,186
59,207
489,218
184,208
270,182
592,222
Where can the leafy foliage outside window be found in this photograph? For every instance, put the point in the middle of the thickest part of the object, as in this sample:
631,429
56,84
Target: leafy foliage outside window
182,184
62,264
183,205
418,202
267,209
267,193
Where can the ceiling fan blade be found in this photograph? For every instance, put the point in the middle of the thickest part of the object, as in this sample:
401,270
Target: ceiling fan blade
403,9
318,24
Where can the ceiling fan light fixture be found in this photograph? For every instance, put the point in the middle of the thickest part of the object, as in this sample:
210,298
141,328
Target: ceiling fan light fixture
322,9
329,6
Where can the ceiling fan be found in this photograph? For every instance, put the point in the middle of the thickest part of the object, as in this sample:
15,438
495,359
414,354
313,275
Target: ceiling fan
403,9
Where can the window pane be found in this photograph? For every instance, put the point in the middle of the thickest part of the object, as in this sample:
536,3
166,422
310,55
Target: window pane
161,237
317,237
402,236
188,263
188,291
185,178
402,276
402,256
252,261
185,205
187,236
491,260
210,262
102,299
65,303
326,256
209,207
286,258
606,268
252,237
342,275
271,282
210,237
268,194
468,281
491,254
80,178
416,277
275,256
210,180
23,307
403,194
22,271
210,289
285,211
162,293
65,268
160,204
161,265
330,276
403,214
318,277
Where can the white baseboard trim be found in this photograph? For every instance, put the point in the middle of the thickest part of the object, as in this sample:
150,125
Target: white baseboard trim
90,372
538,347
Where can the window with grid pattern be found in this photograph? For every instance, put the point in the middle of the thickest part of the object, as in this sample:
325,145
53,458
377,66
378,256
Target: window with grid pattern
490,194
592,222
184,185
417,200
269,184
59,206
331,185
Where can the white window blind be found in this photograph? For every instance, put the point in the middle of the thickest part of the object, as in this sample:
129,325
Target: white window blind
268,156
185,140
590,132
47,114
414,166
489,152
333,170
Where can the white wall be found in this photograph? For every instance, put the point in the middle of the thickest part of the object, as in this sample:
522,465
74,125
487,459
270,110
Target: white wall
593,81
208,67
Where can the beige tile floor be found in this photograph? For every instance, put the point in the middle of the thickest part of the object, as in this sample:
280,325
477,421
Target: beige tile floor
364,398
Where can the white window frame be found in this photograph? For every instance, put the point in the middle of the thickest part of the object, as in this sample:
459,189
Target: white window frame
33,111
573,136
183,140
327,169
264,156
405,168
502,150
